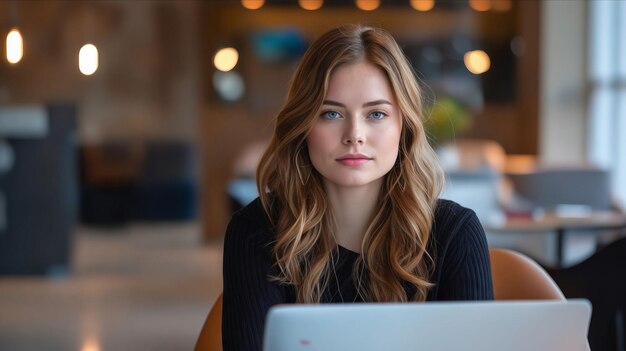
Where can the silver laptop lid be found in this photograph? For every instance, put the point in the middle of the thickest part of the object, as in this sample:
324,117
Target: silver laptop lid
485,326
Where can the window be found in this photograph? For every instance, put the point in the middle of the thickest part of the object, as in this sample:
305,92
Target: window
607,83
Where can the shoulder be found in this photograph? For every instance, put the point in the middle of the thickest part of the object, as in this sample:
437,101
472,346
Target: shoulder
459,245
450,213
250,224
253,212
453,221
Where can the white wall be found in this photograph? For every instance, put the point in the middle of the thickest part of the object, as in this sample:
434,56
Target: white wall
562,100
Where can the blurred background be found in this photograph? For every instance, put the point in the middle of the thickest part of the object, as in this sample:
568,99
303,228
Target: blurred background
131,130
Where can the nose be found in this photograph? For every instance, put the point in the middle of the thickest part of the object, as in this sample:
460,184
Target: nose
354,133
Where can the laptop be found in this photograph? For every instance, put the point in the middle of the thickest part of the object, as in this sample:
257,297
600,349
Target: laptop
434,326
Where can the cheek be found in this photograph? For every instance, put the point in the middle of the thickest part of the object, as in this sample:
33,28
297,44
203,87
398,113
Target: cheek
390,140
317,139
391,145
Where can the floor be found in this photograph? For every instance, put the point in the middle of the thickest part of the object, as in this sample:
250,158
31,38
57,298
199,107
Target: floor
142,287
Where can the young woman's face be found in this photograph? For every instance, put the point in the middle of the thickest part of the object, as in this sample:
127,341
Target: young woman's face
355,139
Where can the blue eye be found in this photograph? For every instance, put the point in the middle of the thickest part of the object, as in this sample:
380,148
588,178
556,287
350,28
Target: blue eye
331,115
378,115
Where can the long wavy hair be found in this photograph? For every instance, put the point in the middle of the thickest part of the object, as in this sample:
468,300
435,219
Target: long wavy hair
394,248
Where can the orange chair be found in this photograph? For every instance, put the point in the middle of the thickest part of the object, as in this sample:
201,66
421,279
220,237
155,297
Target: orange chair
517,277
210,338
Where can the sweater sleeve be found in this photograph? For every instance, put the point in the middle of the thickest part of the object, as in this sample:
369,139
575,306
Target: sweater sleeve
466,268
248,293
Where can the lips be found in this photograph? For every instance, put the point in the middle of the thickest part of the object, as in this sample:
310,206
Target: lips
353,159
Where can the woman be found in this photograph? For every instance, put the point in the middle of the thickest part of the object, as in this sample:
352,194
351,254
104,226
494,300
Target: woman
348,208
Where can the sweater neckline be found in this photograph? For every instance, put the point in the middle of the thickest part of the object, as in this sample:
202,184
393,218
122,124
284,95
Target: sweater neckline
348,251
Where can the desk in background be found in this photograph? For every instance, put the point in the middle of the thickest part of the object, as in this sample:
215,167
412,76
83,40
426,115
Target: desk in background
560,225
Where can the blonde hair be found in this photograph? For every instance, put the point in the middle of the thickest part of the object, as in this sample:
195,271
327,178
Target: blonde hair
292,192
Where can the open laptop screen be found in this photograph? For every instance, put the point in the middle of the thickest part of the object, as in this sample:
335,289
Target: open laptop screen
433,326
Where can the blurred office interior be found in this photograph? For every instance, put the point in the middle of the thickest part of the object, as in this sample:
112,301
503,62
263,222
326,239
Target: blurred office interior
130,131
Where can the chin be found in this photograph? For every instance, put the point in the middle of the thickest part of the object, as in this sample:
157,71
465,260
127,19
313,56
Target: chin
351,182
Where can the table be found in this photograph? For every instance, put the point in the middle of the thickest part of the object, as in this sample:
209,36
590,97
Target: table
560,225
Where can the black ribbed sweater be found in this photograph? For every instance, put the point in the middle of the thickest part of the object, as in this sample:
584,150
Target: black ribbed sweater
462,270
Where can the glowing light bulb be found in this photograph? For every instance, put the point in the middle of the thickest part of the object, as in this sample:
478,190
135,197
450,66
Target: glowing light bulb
477,61
88,59
252,4
15,46
311,5
367,5
423,5
480,5
226,59
91,344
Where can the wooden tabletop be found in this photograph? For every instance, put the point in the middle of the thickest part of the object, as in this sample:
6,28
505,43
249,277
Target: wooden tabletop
554,222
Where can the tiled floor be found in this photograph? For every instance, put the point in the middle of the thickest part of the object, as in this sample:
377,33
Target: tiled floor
144,287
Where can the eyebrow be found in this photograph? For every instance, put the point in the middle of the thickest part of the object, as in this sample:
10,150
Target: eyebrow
367,104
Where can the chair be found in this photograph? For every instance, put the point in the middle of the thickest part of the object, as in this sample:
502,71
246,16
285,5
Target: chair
602,279
210,338
517,277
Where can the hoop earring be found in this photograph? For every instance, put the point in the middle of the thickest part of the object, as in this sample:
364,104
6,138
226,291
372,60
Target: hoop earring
303,180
